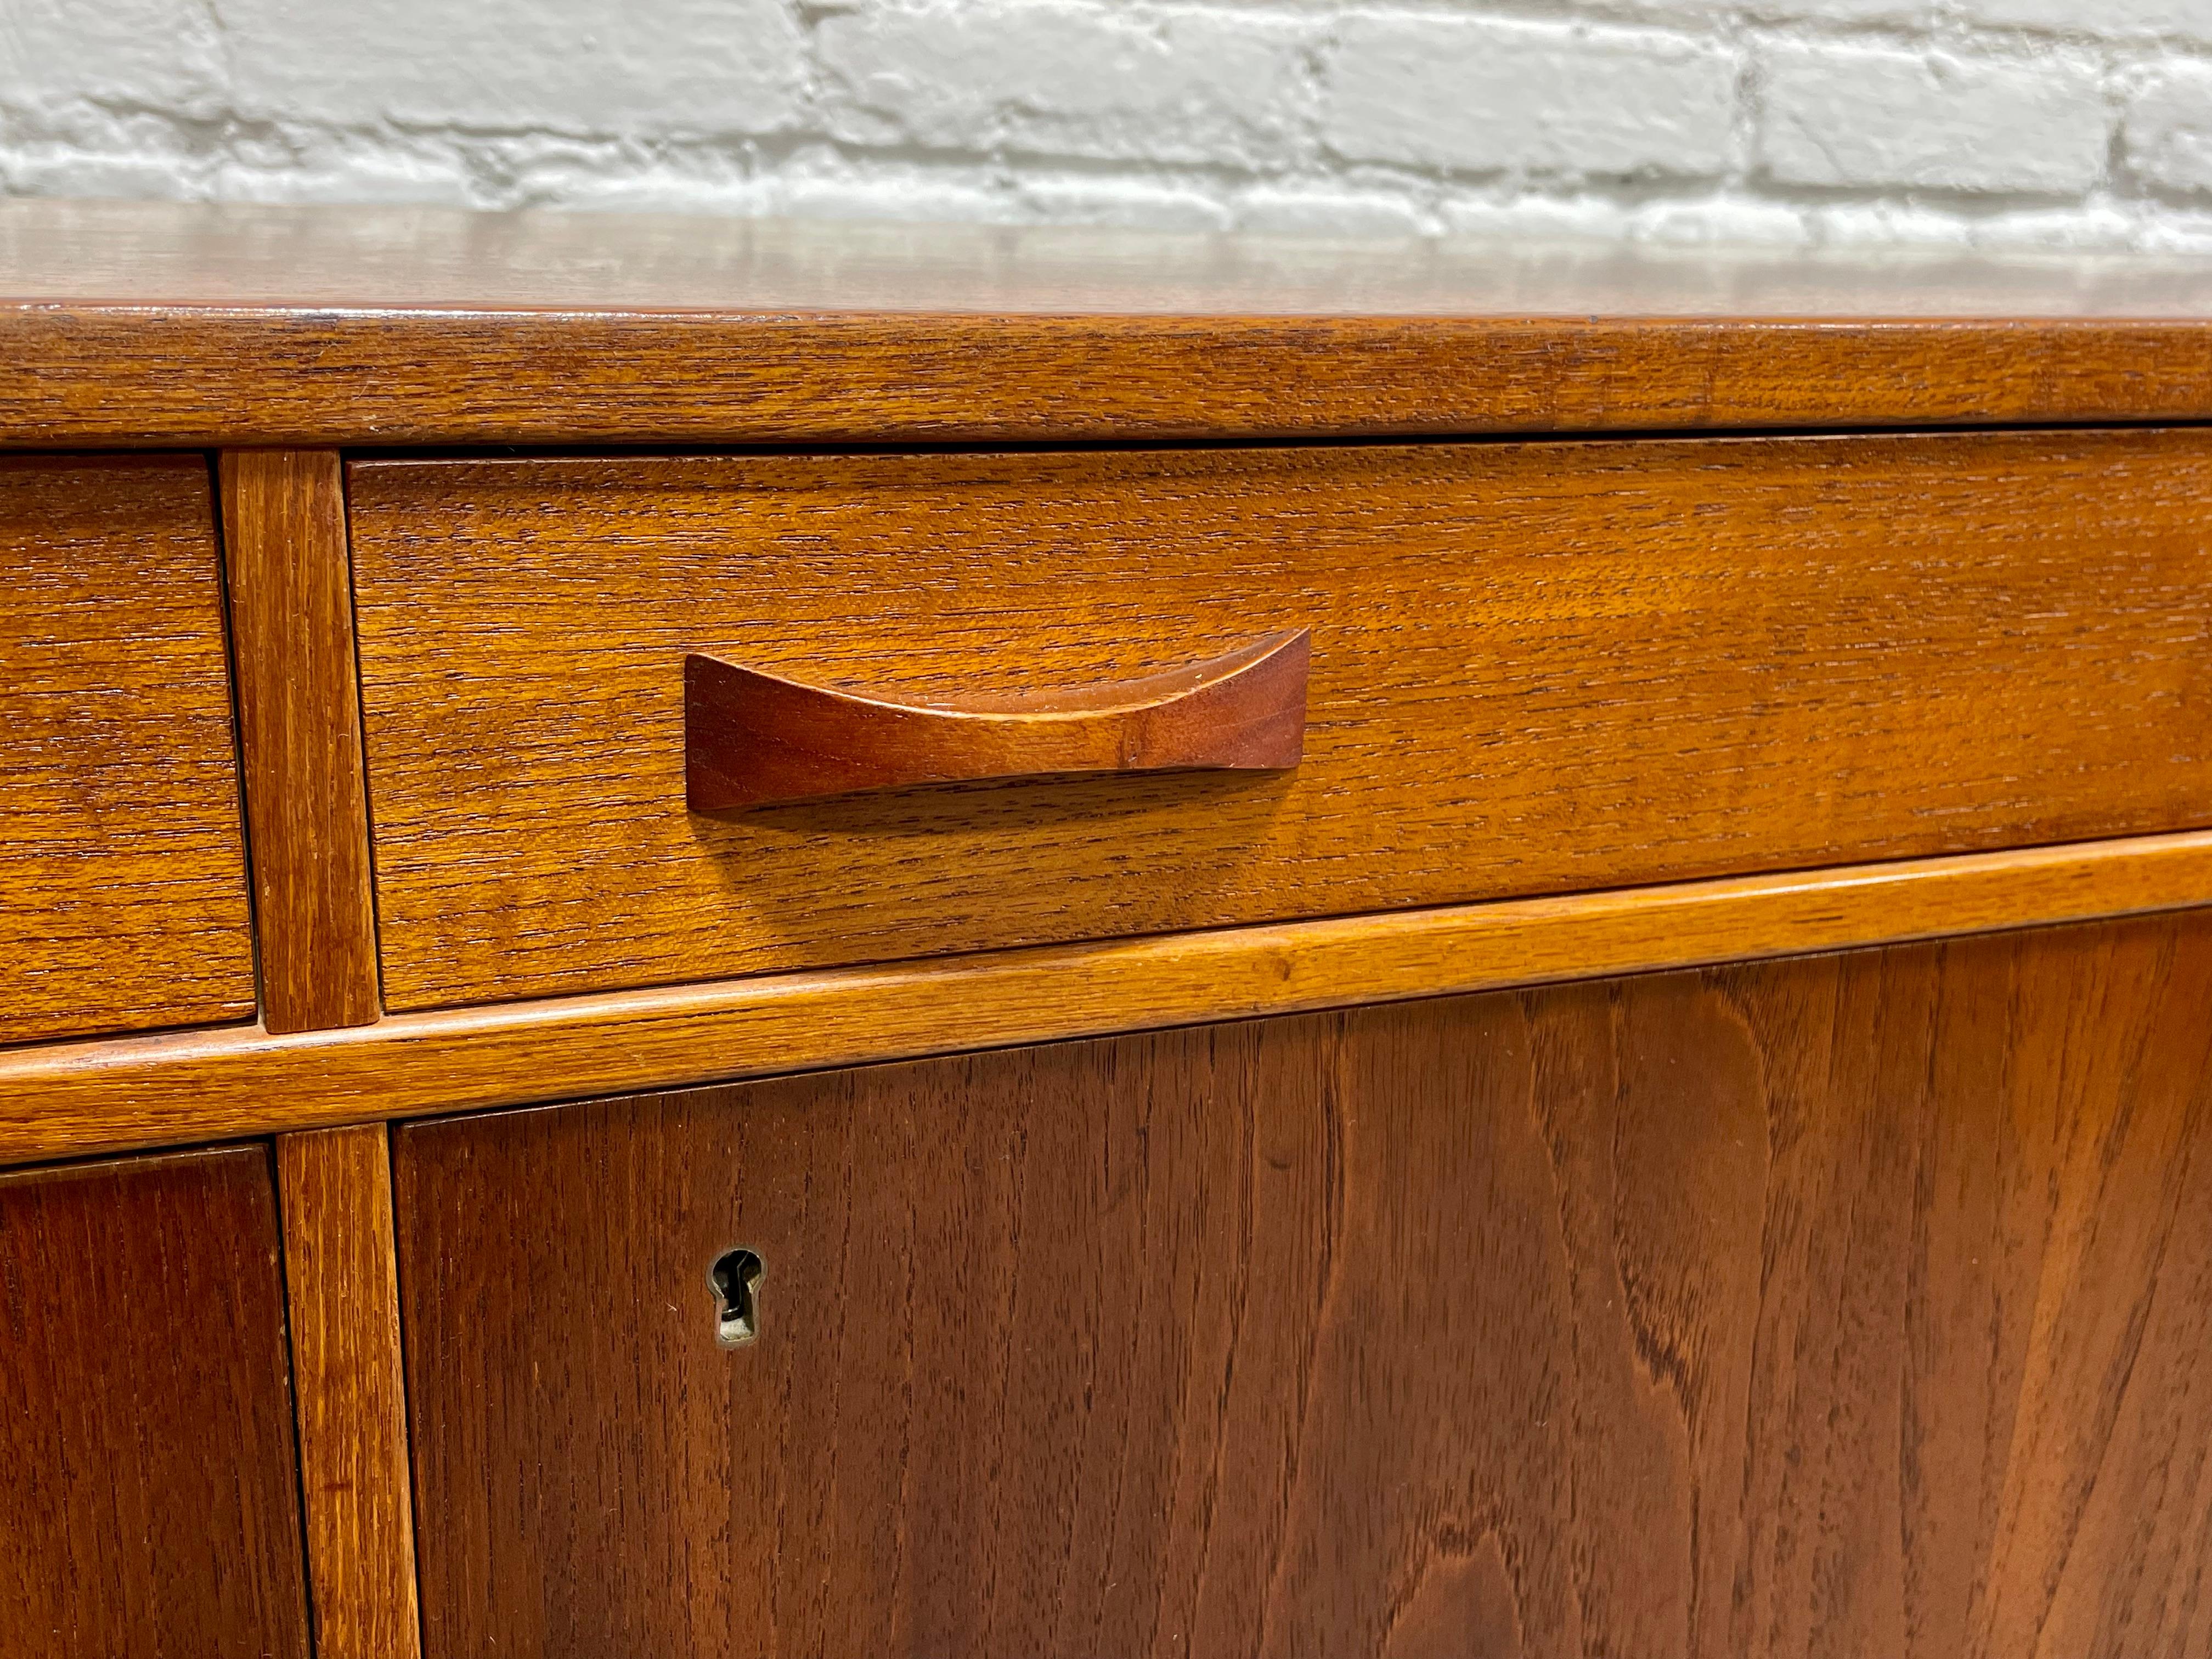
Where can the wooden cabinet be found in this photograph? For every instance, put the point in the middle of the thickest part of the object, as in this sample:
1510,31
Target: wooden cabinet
1851,1304
149,1503
918,943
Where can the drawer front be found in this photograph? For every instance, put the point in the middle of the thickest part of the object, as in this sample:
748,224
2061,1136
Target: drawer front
1869,1288
1534,668
122,897
150,1501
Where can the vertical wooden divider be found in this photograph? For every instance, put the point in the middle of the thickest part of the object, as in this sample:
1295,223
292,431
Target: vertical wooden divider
299,709
343,1287
306,819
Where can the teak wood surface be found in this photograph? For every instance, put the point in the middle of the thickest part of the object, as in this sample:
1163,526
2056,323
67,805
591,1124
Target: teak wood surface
122,897
342,1283
1536,668
291,606
1854,1305
147,1091
753,739
150,1504
1846,1304
159,323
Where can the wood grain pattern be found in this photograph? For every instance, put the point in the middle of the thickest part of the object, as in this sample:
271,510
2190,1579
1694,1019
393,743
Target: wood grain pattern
148,1091
1844,1306
1536,668
299,709
754,740
150,1504
342,1290
314,378
122,873
147,323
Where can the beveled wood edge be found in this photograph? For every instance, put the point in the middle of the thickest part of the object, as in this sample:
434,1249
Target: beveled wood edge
342,1304
77,1098
288,565
129,375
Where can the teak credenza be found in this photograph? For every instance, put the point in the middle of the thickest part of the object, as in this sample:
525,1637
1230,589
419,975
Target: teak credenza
725,940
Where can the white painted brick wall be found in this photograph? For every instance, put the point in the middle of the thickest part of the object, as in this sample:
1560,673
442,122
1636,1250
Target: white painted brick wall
2003,123
1483,95
1873,118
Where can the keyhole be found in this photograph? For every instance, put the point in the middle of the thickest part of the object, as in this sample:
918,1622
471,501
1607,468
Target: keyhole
735,1277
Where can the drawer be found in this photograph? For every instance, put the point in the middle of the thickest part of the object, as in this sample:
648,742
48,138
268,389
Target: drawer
122,901
1511,1324
1535,667
149,1500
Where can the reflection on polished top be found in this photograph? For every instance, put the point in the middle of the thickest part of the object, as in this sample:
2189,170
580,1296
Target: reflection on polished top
319,257
154,324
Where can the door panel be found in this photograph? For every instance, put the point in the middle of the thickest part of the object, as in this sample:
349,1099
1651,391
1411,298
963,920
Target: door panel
1844,1305
150,1501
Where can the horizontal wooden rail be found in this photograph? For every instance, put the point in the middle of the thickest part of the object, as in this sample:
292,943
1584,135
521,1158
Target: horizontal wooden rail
71,1098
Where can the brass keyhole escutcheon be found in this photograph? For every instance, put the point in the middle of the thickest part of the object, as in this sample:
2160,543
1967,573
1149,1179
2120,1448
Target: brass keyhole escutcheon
735,1277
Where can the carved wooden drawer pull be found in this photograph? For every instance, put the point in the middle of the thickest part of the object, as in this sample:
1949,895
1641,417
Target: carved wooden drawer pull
754,740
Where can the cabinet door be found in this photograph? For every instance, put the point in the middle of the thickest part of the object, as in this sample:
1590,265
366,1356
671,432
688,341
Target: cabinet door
150,1501
1844,1305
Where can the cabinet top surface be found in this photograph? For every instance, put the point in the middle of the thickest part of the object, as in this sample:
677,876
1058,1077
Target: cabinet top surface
291,258
154,324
